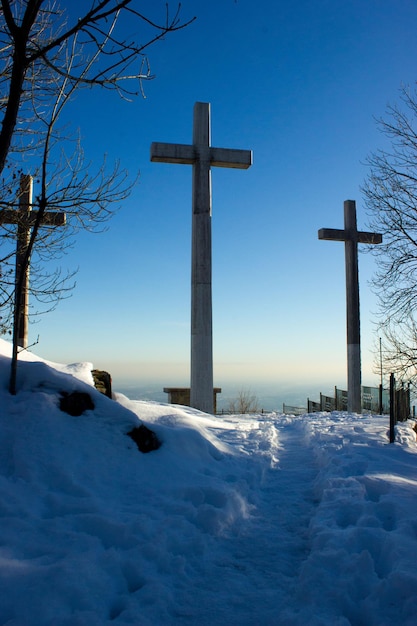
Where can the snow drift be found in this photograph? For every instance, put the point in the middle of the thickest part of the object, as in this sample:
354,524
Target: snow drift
264,519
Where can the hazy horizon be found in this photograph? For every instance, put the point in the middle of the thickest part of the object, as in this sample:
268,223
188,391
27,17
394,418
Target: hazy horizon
270,396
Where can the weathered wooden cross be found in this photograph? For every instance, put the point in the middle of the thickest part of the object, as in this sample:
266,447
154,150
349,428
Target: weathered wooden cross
351,236
25,219
202,157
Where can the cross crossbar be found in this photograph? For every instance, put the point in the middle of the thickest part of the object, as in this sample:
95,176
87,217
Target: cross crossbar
190,154
9,216
336,234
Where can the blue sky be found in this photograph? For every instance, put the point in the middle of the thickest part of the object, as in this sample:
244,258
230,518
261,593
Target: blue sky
299,83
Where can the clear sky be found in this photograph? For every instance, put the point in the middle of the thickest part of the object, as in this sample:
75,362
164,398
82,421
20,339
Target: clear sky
298,82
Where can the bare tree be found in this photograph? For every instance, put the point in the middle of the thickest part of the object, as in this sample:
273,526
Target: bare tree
40,43
390,192
246,402
45,58
398,351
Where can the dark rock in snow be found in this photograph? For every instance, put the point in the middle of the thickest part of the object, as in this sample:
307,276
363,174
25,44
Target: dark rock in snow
75,403
102,382
145,439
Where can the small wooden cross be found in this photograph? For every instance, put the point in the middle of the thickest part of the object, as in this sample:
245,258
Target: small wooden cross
351,236
25,219
202,156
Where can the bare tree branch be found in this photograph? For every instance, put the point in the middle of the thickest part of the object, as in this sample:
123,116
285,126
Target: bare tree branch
37,33
46,57
390,192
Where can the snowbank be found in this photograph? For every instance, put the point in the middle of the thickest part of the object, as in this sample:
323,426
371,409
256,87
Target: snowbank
242,520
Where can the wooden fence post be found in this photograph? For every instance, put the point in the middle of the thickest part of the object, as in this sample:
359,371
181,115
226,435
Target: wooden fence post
380,400
392,408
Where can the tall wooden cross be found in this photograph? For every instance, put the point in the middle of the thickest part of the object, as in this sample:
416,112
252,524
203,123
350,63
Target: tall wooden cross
202,157
25,219
351,236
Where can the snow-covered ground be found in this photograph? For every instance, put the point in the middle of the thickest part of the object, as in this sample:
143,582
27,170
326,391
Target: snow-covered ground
260,520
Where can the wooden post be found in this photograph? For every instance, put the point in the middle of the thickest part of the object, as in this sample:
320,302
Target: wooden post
392,408
202,157
25,218
22,272
351,236
381,408
352,308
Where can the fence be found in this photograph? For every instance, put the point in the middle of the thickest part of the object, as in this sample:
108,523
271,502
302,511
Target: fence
374,399
293,410
400,409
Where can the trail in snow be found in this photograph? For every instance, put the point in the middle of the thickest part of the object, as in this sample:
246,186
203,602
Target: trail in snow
257,568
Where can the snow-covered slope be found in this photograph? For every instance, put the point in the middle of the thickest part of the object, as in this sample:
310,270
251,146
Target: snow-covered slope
263,520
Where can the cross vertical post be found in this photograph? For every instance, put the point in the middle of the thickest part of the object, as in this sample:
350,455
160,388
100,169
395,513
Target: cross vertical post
354,374
22,243
351,236
201,370
202,156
